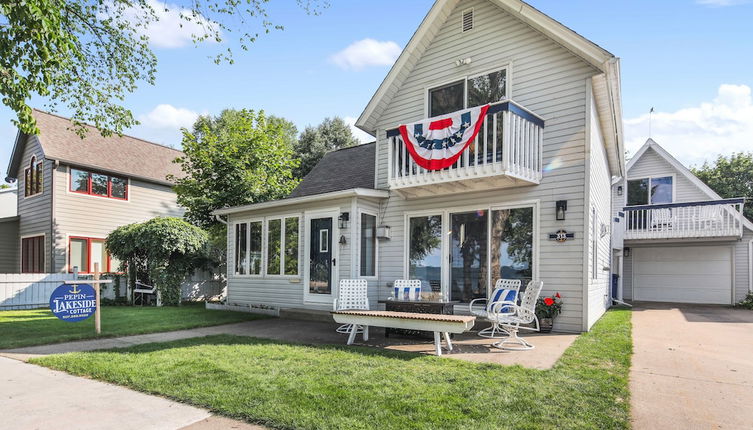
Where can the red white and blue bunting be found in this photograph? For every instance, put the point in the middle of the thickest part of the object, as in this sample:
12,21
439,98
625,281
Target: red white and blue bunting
436,143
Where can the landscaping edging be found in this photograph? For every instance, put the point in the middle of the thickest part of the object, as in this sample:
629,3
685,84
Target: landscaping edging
275,312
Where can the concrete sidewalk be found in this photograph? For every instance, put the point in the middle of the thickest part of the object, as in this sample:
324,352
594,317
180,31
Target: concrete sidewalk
34,397
692,367
468,346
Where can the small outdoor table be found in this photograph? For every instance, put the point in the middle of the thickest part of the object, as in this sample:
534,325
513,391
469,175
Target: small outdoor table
441,307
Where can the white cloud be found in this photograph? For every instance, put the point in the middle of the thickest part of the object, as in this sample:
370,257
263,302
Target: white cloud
722,3
163,124
359,134
175,26
697,134
365,53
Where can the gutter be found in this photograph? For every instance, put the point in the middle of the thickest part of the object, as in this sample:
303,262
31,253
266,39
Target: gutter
353,192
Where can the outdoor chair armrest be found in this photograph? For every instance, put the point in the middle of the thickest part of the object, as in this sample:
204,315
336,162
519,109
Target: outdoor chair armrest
496,307
470,305
334,304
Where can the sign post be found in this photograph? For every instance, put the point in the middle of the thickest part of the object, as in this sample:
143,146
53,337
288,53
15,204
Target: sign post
97,313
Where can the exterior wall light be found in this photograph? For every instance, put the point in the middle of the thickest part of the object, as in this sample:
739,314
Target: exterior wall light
619,190
561,209
344,220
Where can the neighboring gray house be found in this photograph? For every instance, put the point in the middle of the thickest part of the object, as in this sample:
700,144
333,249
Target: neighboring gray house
72,192
551,139
676,240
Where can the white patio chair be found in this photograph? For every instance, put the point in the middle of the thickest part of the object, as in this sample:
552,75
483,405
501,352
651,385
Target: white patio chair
504,290
352,294
143,293
510,316
411,287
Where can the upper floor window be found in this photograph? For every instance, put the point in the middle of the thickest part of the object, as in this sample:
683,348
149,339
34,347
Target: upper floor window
33,177
468,92
98,184
650,191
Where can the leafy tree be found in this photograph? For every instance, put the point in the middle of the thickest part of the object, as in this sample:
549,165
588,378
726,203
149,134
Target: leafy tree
730,177
236,158
90,54
331,134
160,252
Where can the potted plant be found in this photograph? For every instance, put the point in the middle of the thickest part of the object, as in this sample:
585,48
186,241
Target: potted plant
547,308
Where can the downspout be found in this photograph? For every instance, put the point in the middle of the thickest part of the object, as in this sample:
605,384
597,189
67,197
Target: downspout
750,266
219,219
55,165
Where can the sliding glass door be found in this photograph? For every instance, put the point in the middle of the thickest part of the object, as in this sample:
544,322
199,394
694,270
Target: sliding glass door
482,246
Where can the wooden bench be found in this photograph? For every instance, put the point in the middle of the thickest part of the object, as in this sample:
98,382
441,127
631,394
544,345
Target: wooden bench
439,324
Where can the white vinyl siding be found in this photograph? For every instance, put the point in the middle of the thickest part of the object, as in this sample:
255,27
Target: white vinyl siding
599,281
543,77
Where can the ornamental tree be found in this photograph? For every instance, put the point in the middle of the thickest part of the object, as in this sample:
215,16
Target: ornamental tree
88,55
160,252
236,158
331,134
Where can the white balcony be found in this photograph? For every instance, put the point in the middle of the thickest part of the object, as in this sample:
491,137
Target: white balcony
506,153
690,220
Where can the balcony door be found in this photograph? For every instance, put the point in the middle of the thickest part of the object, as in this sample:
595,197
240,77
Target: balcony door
320,267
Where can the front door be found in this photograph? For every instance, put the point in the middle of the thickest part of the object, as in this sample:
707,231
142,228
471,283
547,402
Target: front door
321,264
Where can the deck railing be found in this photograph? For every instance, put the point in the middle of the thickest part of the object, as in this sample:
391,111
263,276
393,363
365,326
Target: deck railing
716,218
509,143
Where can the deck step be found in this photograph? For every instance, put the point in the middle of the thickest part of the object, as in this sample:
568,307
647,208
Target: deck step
306,314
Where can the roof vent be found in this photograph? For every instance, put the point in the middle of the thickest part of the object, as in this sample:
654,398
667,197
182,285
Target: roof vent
467,20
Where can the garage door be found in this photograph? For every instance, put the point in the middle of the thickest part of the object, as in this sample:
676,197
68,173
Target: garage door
699,274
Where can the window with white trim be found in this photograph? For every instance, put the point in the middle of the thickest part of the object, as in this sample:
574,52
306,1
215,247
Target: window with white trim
277,254
650,191
468,92
368,245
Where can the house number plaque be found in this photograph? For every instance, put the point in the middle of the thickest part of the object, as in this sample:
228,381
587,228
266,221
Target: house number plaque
561,236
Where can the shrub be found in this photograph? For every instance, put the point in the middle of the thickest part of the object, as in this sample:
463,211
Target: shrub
747,302
160,252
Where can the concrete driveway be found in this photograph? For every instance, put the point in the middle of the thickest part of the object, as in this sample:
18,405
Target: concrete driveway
692,367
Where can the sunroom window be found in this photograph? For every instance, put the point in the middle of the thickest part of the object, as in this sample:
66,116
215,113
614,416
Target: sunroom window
277,254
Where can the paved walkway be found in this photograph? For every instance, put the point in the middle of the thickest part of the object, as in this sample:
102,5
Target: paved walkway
470,347
692,367
35,397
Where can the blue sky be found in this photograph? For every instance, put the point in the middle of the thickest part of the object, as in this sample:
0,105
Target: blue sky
691,60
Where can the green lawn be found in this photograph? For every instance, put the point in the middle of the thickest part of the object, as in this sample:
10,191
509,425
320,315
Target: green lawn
331,387
39,326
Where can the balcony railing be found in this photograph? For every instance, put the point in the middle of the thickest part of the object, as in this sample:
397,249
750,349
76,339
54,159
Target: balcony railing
716,218
508,144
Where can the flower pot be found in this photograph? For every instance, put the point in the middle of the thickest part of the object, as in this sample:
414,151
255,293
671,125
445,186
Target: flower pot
545,325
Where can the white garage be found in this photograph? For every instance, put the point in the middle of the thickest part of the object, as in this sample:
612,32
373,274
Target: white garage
691,274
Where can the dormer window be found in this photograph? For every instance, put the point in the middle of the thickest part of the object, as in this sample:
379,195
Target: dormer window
98,184
33,177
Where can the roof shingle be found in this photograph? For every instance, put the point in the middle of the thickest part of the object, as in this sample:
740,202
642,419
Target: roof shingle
339,170
126,155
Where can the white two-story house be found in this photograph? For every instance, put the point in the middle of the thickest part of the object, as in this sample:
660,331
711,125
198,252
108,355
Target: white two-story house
676,240
528,197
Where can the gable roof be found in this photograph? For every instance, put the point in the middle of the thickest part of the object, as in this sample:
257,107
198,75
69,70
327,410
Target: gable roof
125,155
339,170
680,168
606,90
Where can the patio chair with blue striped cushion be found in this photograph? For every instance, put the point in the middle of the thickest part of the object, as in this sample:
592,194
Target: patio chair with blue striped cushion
505,290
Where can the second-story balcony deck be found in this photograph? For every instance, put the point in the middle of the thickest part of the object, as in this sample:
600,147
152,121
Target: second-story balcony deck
507,152
716,219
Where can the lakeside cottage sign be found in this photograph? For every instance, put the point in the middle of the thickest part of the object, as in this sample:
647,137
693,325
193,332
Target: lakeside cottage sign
73,303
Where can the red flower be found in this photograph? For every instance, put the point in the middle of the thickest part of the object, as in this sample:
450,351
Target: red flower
557,295
549,301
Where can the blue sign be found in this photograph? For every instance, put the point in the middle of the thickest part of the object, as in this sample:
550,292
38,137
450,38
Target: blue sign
73,303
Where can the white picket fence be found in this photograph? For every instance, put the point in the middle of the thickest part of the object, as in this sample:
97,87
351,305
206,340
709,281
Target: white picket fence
33,290
29,290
